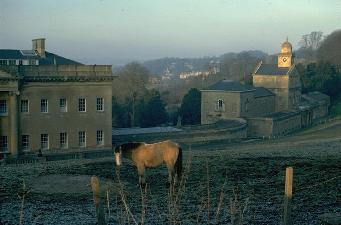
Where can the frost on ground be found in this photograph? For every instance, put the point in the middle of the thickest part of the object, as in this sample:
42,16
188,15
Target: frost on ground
60,191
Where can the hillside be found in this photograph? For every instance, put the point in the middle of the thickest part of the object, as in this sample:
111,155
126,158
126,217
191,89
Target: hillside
178,65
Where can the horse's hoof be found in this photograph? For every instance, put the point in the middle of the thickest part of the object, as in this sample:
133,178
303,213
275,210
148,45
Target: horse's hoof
143,186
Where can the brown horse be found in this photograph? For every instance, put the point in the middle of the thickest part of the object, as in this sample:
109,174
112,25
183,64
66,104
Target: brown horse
151,155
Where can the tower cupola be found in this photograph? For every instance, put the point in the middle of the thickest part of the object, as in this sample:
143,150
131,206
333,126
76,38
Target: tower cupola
285,58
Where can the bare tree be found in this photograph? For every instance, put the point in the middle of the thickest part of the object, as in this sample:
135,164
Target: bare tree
312,41
330,49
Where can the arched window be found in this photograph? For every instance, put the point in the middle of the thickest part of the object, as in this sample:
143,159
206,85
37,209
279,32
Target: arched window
220,105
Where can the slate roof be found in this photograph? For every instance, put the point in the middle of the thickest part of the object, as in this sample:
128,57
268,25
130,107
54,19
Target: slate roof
272,69
315,98
229,85
262,92
50,58
15,54
234,86
316,95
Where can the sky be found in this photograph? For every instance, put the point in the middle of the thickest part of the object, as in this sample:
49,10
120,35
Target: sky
119,31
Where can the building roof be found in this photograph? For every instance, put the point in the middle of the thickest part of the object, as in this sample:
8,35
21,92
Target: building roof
314,98
50,59
17,54
234,86
271,69
230,85
316,95
262,92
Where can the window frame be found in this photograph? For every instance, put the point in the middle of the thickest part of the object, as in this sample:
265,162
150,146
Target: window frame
220,105
82,136
62,109
3,143
22,106
26,146
81,105
99,137
41,105
42,141
3,106
63,144
99,104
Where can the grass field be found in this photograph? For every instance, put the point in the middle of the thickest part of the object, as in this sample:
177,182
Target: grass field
220,177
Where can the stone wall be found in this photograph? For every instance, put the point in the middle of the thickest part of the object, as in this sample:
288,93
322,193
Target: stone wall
274,125
263,105
222,130
34,123
231,109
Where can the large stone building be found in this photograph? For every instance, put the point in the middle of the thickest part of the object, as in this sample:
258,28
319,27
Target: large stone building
48,102
272,106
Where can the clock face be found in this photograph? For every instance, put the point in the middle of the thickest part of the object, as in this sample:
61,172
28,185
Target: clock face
284,59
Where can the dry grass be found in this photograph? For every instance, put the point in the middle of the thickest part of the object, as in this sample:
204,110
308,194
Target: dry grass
206,193
209,211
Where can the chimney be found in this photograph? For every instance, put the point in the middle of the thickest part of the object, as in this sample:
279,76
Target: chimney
38,45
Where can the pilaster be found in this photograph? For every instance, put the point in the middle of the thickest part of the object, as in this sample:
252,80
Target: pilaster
14,124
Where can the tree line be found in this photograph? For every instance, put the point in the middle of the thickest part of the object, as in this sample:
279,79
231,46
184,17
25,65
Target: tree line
321,68
134,104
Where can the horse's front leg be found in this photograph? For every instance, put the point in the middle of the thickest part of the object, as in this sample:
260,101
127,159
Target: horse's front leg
141,172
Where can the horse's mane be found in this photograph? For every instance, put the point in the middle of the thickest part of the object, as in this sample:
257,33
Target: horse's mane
131,145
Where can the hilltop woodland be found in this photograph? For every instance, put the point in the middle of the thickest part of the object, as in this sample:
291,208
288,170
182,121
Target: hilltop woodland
138,103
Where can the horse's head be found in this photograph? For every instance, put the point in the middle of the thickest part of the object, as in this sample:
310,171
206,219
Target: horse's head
118,155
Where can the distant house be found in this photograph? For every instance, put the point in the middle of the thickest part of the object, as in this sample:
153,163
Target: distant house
274,104
48,102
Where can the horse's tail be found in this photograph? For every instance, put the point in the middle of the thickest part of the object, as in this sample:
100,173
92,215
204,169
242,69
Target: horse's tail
178,163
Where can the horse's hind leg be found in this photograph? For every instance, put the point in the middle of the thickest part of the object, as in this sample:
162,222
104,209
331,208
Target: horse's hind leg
141,172
171,173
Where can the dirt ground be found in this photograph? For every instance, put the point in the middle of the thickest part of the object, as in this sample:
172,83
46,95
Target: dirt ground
218,177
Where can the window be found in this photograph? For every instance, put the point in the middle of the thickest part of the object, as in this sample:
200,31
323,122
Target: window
25,142
3,144
62,105
12,62
3,62
63,140
100,104
220,105
44,106
24,106
82,138
3,106
82,105
99,137
247,105
44,141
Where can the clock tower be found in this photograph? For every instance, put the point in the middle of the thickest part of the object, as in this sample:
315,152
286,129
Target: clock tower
285,58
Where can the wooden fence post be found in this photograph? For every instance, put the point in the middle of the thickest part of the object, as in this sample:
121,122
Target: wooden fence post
96,190
287,196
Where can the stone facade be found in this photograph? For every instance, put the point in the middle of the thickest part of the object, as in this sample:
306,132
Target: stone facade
229,99
275,124
282,79
55,107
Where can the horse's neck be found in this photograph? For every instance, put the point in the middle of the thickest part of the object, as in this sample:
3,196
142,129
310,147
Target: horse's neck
127,154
